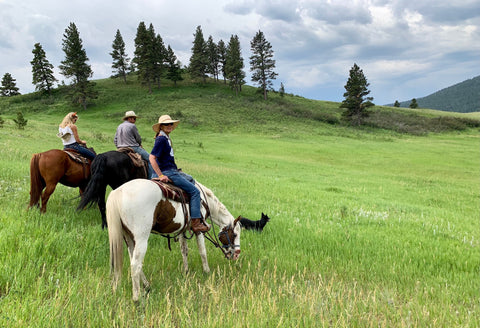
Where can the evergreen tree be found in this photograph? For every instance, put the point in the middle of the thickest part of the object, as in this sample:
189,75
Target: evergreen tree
262,62
158,54
281,90
396,104
42,70
75,66
213,59
120,58
149,53
222,55
174,72
199,58
234,64
356,102
413,103
20,121
9,87
141,58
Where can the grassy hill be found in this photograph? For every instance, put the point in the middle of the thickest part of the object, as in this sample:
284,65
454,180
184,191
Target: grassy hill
463,97
214,106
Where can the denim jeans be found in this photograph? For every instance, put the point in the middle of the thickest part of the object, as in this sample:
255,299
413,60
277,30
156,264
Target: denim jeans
187,183
82,150
145,156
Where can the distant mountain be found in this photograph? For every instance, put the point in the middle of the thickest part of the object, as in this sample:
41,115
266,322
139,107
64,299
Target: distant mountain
463,97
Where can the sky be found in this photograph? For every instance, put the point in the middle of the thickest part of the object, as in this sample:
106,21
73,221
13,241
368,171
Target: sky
406,49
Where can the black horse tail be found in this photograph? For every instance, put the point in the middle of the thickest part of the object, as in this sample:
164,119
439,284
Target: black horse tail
93,191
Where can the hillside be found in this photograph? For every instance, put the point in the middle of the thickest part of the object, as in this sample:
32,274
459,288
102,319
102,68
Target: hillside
214,106
462,97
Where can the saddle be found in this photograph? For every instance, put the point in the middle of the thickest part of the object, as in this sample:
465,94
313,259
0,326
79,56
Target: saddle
173,192
76,156
137,160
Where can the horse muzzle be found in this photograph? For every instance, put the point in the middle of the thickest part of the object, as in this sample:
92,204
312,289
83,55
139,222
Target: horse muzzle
234,255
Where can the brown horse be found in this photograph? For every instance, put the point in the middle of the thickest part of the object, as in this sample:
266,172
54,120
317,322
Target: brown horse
51,167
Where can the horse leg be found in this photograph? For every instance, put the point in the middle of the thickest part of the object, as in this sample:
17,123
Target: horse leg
184,248
49,189
136,263
101,206
130,247
203,252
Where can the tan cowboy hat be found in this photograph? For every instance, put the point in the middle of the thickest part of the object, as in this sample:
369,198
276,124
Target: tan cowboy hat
164,119
128,114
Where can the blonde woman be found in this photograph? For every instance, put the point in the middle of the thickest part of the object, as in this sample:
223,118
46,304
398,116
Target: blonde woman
67,130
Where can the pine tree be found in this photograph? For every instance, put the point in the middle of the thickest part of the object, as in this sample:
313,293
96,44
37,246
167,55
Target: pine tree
213,60
234,64
20,121
75,66
356,102
413,103
9,87
148,55
42,70
141,58
396,104
222,55
199,58
262,62
174,72
281,90
158,55
120,58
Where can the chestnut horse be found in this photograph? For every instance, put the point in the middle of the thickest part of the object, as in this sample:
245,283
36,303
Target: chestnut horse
49,168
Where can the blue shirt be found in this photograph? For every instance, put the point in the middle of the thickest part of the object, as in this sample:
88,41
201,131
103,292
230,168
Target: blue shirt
163,152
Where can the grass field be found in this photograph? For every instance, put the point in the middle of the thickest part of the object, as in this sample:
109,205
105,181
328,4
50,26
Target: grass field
369,228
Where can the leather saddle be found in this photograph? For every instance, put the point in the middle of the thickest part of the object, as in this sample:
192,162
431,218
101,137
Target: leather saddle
76,156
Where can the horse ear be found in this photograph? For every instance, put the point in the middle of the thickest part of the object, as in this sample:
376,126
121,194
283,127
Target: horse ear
236,220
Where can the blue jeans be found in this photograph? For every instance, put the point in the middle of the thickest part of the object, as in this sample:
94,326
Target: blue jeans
82,150
187,183
145,156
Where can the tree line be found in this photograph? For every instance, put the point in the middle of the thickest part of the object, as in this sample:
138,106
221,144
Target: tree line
153,60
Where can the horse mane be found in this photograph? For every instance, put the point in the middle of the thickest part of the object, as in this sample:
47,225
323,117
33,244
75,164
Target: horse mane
219,207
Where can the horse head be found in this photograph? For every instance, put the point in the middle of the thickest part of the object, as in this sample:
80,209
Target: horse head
230,239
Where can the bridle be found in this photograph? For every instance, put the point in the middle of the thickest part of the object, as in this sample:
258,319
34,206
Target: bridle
213,237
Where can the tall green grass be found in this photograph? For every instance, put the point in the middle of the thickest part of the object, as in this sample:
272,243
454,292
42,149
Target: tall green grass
368,227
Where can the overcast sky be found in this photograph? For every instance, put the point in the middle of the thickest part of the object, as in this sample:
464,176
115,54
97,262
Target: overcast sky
406,48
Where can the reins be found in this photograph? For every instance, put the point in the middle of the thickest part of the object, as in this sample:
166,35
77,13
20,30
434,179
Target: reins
214,240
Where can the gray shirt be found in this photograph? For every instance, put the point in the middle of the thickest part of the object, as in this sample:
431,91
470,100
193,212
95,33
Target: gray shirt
127,135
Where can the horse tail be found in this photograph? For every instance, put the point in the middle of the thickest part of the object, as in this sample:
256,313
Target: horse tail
91,195
115,235
36,181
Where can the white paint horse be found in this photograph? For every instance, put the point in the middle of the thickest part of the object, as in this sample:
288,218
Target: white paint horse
139,207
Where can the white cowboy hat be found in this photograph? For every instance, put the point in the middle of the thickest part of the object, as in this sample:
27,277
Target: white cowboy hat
128,114
164,119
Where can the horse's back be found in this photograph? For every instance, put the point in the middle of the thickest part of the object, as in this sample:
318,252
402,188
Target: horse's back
142,206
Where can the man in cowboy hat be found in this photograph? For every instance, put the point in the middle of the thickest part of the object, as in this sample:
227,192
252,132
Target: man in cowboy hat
127,136
165,169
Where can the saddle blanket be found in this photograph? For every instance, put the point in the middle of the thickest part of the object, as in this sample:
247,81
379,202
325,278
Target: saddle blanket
75,155
173,192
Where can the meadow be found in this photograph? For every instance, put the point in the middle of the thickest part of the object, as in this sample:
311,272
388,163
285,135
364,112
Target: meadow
369,227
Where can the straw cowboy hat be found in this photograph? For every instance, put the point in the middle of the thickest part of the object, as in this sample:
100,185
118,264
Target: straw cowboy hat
128,114
164,119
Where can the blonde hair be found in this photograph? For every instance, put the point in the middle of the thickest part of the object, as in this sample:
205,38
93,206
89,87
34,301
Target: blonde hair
68,120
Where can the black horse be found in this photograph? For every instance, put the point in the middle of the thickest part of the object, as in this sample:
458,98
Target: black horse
113,169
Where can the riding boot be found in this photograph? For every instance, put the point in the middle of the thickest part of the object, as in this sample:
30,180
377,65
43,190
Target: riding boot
198,226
